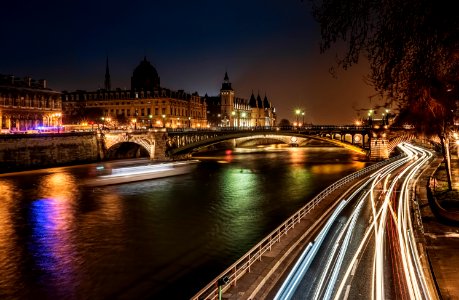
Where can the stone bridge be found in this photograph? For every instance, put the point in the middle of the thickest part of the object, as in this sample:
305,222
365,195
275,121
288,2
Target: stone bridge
164,143
153,141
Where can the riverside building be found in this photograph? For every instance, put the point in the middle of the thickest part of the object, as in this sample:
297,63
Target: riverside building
145,105
28,104
227,110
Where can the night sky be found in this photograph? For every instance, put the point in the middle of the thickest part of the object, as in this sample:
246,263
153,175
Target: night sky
268,46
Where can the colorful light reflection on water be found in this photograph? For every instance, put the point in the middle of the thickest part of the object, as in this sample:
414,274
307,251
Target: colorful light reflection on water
161,239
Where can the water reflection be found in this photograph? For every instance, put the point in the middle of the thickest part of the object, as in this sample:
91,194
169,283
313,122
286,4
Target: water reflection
53,226
60,241
333,168
10,257
297,155
240,196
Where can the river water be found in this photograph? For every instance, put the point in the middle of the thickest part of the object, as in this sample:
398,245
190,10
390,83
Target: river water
158,239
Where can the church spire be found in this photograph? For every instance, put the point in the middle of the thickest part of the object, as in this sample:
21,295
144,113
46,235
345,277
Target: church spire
226,85
108,84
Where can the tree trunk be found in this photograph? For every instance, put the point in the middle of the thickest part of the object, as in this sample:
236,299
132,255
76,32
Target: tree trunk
447,159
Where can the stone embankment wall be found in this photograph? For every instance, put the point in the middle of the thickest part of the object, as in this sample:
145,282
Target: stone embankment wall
378,149
33,151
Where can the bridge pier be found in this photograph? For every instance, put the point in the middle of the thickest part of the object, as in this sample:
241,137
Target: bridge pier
379,149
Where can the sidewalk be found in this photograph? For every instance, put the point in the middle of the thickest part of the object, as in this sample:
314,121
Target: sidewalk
442,241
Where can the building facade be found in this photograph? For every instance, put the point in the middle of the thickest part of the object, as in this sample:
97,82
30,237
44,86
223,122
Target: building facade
28,104
227,110
145,105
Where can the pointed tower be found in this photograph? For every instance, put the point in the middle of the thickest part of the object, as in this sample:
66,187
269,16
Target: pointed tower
107,83
227,102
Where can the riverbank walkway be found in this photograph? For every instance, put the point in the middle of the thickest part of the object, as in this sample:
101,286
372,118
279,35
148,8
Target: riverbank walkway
440,244
441,240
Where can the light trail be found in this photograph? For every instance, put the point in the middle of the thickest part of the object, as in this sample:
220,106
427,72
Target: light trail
387,194
297,273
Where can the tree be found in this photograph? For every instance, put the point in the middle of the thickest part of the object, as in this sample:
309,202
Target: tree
413,50
284,123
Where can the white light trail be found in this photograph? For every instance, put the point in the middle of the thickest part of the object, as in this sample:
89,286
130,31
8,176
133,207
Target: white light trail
382,187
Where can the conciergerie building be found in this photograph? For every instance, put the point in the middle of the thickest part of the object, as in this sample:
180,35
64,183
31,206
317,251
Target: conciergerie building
147,104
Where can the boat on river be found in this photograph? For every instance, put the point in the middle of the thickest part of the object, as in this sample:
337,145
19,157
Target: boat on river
142,172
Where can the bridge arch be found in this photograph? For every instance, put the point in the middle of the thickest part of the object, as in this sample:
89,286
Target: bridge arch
126,150
146,142
286,137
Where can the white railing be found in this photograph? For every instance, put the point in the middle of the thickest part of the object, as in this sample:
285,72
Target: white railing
232,274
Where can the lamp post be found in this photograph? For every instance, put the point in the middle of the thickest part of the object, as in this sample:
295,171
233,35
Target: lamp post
108,119
134,120
233,113
302,114
297,113
189,122
149,120
164,120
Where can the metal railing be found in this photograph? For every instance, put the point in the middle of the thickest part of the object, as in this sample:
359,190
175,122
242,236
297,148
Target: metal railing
271,128
242,266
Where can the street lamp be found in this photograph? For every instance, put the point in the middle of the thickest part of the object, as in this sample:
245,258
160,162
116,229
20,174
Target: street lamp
149,119
189,122
243,115
164,120
302,113
297,113
134,120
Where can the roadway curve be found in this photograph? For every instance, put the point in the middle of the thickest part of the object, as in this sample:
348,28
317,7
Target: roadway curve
367,248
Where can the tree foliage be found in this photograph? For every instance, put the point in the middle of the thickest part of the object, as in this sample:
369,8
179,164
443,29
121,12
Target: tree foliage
413,50
284,123
412,45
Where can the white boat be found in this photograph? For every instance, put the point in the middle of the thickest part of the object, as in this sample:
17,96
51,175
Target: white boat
145,172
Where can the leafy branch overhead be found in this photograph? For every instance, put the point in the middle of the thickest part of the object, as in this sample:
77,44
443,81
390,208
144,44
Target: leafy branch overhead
412,46
413,50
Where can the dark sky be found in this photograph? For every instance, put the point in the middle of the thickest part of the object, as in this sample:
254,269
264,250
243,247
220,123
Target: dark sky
268,46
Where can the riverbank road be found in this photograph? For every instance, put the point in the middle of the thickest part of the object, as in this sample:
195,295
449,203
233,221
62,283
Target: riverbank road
359,243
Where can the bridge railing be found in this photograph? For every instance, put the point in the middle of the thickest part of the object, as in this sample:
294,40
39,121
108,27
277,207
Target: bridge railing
243,265
271,128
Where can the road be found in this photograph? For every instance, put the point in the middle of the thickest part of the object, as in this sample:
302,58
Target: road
366,249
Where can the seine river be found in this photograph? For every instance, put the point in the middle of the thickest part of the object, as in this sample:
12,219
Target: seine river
158,239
